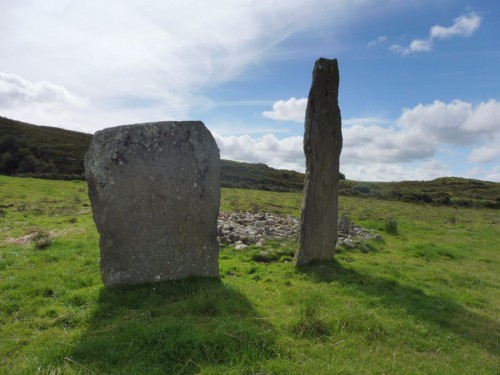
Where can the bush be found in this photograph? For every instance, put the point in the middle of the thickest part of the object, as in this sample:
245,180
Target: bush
391,226
361,189
42,239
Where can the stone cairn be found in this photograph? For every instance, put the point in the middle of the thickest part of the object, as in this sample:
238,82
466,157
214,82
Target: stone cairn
322,146
155,193
243,229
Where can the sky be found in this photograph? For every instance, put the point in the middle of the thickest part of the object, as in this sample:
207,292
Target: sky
419,79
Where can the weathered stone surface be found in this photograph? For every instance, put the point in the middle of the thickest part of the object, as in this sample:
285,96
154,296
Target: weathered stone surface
322,146
155,193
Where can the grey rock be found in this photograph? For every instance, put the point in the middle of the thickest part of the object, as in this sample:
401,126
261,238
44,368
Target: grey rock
322,147
155,193
285,228
349,243
343,224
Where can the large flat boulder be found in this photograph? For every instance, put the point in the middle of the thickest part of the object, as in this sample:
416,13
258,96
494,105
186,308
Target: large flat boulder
155,194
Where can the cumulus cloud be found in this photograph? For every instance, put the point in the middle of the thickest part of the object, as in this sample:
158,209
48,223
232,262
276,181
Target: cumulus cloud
457,122
16,91
375,150
288,110
493,174
484,154
286,153
463,26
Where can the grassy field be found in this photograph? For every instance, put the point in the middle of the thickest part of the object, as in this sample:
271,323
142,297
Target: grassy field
424,301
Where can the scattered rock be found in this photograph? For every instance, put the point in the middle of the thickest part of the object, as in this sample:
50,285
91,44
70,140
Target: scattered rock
248,228
349,243
241,229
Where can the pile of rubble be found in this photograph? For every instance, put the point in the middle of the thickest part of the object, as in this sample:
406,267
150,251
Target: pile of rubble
242,229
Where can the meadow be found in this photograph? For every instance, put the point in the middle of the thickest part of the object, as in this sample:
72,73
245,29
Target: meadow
423,301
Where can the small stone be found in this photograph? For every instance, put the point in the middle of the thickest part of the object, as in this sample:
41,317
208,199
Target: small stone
349,243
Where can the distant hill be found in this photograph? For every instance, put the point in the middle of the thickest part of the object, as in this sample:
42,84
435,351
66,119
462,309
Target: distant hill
41,150
48,152
444,191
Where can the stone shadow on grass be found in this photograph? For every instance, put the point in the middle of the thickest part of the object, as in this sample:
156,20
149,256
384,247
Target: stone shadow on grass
174,327
442,312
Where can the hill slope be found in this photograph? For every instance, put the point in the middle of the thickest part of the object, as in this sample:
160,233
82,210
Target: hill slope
42,151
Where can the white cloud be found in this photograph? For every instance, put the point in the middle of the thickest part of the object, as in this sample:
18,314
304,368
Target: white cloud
286,153
488,174
440,122
419,45
408,149
376,171
464,26
485,118
493,174
168,52
484,154
402,50
288,110
16,91
379,40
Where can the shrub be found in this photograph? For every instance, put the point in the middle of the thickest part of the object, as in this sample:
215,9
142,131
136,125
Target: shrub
361,189
391,226
42,239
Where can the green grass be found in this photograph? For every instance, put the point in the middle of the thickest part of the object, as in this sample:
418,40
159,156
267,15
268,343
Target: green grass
424,301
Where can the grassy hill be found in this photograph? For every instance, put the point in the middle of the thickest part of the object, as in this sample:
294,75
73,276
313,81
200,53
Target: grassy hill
444,191
58,154
423,301
41,151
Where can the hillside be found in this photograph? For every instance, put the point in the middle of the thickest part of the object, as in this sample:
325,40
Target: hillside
444,191
42,151
54,153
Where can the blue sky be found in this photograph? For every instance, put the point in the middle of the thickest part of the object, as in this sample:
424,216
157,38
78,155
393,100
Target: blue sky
419,80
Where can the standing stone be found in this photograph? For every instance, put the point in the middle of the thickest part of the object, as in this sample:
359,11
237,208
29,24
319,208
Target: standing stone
155,194
322,146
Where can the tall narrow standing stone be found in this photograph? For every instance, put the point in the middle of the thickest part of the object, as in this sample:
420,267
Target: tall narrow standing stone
155,193
322,146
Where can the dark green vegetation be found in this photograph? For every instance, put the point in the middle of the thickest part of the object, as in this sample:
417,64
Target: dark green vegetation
40,151
425,301
444,191
259,176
